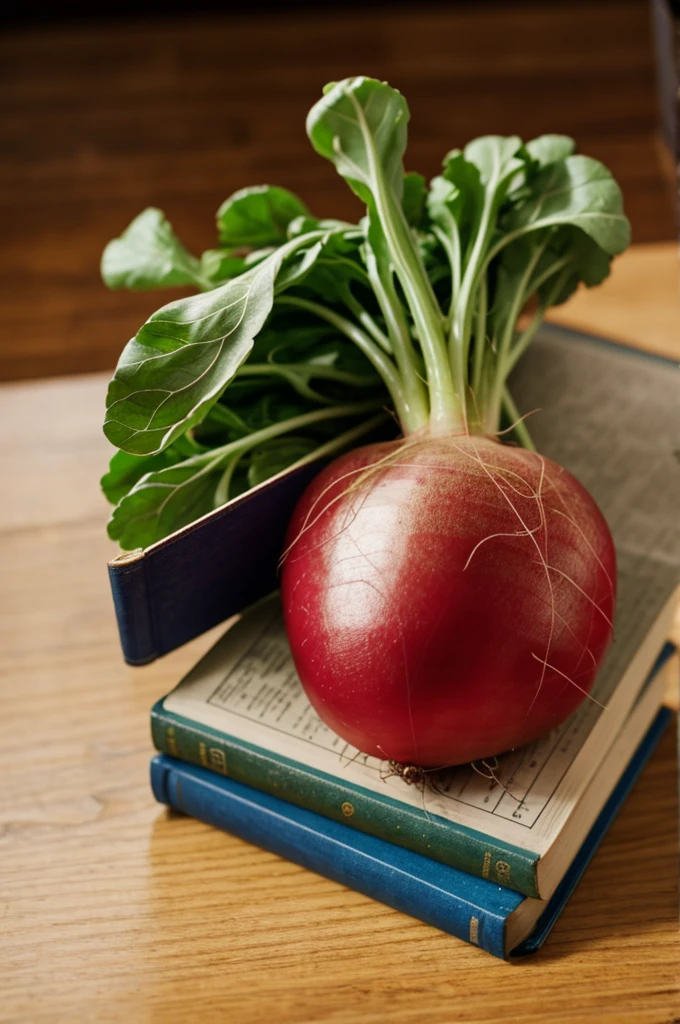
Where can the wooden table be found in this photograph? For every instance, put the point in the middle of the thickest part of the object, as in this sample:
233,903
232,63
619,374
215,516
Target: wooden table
114,911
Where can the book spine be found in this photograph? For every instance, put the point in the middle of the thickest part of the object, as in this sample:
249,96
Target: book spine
440,896
424,833
133,611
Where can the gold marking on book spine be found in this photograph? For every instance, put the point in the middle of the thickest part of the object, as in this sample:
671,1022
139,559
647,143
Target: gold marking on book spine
503,871
218,761
203,754
347,809
172,740
486,864
474,931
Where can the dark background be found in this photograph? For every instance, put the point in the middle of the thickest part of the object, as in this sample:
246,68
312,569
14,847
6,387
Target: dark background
102,117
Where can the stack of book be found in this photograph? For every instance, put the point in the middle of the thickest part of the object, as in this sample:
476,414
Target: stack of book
488,853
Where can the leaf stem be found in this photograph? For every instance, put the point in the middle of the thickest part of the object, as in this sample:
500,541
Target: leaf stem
522,342
480,337
524,339
413,389
502,369
219,455
519,427
553,269
309,370
446,407
342,440
222,490
451,246
523,291
382,363
460,329
365,319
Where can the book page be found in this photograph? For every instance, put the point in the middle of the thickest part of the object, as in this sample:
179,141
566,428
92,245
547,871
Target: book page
611,416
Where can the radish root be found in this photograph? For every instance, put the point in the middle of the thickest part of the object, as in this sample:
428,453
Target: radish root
512,487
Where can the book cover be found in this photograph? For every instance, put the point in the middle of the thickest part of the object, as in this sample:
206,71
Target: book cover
198,577
622,450
495,918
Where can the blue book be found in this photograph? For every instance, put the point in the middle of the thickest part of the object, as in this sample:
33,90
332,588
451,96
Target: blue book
496,919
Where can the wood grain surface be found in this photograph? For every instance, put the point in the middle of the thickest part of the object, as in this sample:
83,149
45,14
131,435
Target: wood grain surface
99,121
113,910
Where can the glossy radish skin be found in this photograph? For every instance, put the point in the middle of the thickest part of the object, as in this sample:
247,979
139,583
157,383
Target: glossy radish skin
447,599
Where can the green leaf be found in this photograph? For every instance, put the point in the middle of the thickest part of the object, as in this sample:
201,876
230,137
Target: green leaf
588,264
222,415
484,173
277,455
295,341
185,355
448,205
413,200
165,500
326,266
341,355
459,194
149,255
510,279
316,345
487,170
219,265
258,255
577,191
302,226
570,258
276,406
299,268
590,261
548,149
258,216
125,470
464,175
322,368
497,158
360,123
330,278
181,361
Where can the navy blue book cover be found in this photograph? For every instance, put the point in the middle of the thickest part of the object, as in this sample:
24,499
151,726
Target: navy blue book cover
470,908
203,574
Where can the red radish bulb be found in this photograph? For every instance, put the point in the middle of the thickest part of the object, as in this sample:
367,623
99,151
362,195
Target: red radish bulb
446,599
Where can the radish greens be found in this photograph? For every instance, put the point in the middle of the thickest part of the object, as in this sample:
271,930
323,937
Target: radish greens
307,332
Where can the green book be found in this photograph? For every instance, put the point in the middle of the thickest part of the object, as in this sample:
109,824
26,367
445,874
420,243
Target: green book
242,713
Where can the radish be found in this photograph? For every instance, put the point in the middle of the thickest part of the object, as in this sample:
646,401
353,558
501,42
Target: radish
447,596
